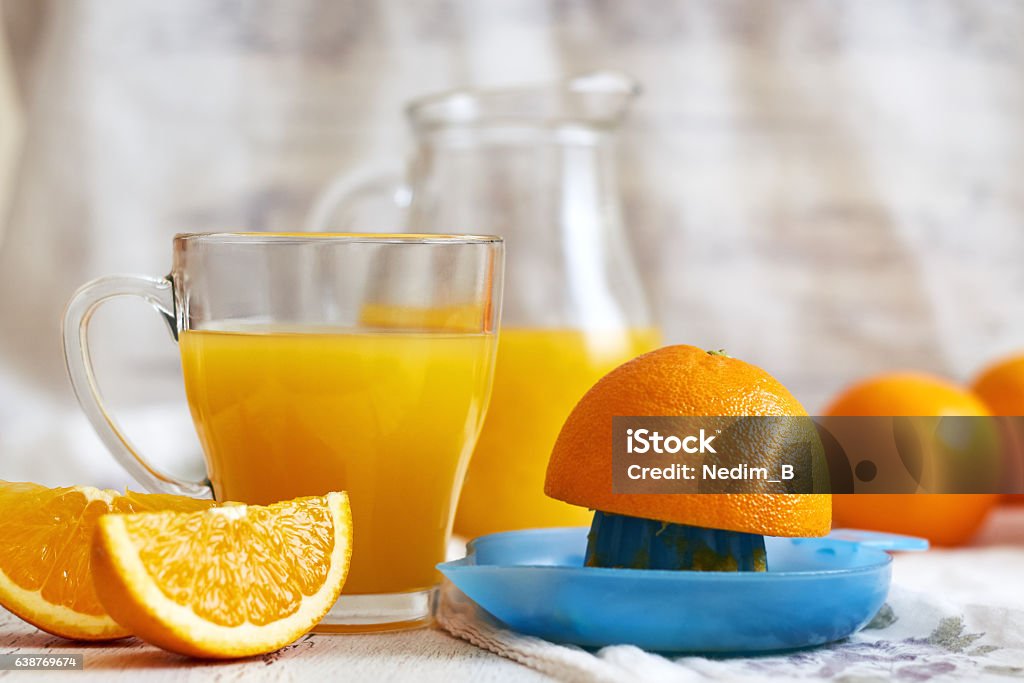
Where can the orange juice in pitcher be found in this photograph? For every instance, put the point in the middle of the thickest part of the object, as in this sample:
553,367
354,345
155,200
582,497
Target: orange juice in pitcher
539,375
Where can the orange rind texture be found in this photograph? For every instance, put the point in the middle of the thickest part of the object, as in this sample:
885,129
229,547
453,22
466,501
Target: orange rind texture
679,380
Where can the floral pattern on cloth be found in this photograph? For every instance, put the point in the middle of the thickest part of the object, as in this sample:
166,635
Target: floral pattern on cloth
950,648
914,637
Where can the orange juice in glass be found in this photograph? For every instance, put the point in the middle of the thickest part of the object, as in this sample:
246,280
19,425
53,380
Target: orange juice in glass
295,391
387,416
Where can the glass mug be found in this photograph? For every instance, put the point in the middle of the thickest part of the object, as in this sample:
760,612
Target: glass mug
320,362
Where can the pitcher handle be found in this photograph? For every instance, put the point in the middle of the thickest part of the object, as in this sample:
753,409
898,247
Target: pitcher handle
333,210
160,294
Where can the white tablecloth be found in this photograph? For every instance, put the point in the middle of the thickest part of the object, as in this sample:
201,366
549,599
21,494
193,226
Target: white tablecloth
960,615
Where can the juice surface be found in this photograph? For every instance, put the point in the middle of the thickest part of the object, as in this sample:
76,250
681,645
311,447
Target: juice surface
539,376
389,417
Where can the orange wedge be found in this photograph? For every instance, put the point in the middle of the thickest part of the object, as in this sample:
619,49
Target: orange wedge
231,581
45,536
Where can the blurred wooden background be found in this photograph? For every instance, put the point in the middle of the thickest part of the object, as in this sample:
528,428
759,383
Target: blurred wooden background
827,189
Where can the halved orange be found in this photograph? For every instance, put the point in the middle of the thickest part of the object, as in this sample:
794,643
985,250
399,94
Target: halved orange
45,536
231,581
679,380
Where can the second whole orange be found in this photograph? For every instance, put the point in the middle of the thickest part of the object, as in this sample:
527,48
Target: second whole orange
944,519
1001,387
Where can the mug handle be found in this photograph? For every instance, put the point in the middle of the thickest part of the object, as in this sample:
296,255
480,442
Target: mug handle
160,294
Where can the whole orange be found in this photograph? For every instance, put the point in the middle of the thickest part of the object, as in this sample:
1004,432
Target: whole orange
1001,387
679,380
944,519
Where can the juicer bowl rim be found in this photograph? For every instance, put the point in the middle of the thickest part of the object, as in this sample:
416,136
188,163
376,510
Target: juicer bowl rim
884,559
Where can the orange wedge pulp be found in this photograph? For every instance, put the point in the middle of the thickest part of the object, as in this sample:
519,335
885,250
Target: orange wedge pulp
230,581
45,536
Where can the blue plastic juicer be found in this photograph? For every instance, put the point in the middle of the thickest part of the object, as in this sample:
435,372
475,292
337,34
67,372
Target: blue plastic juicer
815,591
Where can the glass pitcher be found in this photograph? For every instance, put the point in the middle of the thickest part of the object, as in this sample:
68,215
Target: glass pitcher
536,166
